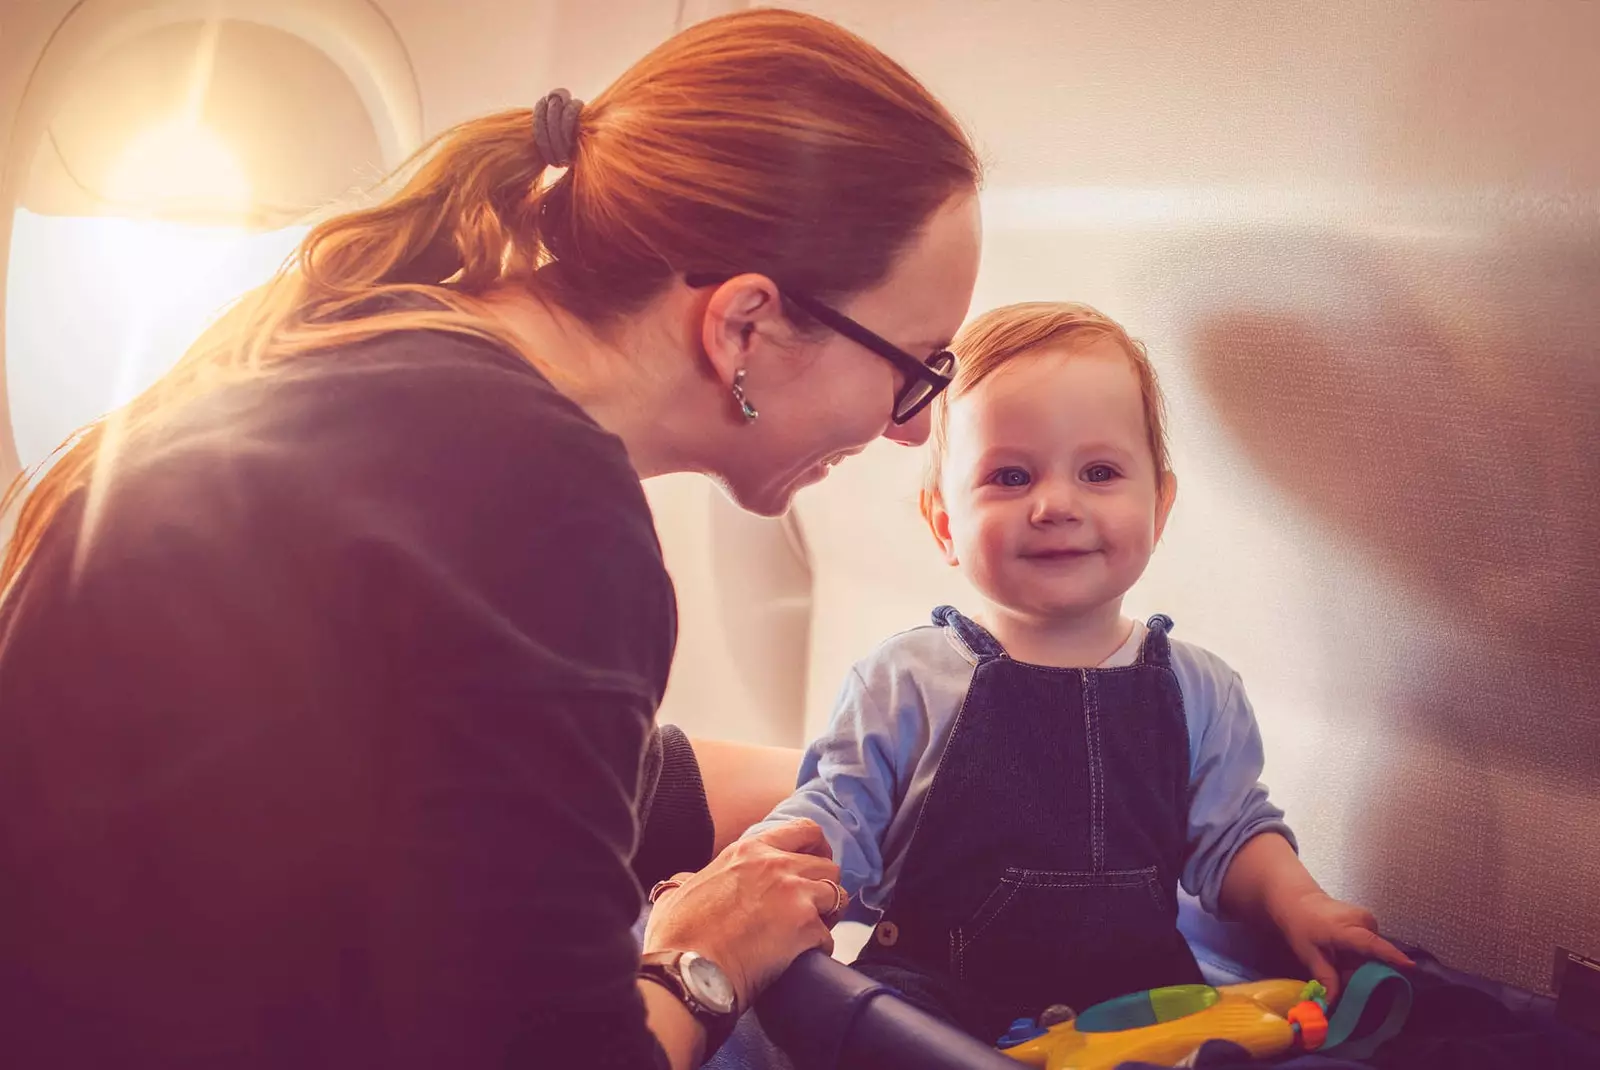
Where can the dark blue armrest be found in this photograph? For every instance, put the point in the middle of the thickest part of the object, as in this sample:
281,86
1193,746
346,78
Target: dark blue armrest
824,1014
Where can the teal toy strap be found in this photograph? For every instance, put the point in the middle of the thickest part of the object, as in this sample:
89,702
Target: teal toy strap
1370,980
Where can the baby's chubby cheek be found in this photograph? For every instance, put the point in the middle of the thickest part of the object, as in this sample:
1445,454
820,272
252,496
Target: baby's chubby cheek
986,560
980,546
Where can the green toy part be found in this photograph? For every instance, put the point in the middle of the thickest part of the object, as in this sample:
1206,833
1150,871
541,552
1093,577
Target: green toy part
1147,1008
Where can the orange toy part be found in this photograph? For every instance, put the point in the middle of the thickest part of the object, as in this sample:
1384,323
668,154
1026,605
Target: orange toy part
1312,1021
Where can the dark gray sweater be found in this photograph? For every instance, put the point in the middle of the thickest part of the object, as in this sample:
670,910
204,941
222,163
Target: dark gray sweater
327,744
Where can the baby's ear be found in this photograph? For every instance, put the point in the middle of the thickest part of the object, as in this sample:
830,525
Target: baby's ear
1165,496
933,511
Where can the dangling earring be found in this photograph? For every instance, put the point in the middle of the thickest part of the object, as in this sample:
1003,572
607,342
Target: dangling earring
745,407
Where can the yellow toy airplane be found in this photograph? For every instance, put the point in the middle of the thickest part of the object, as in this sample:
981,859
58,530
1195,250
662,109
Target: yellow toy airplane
1167,1025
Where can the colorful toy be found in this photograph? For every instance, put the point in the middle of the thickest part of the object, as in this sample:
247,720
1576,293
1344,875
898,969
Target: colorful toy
1167,1025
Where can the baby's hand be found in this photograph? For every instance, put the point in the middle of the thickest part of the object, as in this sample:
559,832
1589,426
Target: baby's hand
1324,932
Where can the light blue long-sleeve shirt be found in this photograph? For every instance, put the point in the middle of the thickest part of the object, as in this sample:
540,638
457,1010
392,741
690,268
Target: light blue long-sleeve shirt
865,780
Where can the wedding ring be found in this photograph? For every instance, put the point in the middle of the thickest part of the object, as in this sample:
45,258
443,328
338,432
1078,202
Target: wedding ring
840,901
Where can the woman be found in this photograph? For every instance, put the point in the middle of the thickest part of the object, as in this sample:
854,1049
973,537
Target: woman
330,662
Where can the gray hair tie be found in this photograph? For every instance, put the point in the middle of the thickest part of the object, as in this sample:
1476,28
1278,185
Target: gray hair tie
555,127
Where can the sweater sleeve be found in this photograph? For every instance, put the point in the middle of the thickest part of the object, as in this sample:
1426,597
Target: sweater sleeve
677,834
1229,804
853,778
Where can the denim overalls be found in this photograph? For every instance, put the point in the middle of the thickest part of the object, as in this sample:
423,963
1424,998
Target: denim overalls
1043,868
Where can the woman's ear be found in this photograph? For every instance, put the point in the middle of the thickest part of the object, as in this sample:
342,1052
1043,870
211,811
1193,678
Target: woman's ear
738,315
1165,496
933,511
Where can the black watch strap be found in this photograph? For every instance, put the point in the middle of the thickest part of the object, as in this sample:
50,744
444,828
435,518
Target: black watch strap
663,969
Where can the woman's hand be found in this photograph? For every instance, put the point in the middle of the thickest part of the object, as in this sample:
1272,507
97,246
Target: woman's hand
757,906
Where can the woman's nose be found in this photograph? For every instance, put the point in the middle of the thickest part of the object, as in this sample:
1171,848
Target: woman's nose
914,432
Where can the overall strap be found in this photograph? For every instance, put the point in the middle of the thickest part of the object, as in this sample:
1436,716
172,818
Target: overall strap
1157,647
978,640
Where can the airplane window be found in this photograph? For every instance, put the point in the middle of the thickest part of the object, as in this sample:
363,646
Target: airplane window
98,308
175,179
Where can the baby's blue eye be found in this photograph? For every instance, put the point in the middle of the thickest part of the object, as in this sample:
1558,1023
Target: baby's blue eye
1100,473
1011,477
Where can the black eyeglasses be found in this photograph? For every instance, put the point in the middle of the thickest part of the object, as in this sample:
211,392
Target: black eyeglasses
925,379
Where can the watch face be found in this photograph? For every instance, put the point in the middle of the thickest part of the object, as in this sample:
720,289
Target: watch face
707,983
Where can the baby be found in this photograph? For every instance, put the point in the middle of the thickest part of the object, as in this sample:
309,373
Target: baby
1020,792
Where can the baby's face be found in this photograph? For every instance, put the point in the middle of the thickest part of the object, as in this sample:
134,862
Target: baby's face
1051,503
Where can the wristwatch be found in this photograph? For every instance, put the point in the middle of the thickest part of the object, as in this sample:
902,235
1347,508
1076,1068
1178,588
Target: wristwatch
701,986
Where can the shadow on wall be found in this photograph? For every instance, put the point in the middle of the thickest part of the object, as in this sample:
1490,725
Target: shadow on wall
1432,396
